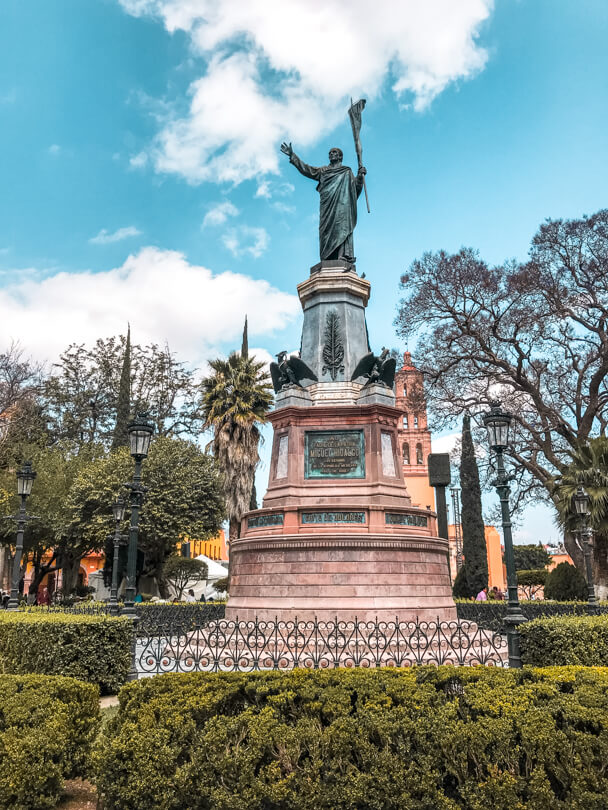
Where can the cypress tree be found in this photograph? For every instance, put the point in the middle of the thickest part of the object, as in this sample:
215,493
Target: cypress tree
120,437
473,534
245,343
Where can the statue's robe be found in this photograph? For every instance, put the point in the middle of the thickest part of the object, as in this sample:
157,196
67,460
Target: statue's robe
339,190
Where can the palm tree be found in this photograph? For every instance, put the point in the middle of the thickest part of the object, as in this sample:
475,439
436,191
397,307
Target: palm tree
588,468
236,399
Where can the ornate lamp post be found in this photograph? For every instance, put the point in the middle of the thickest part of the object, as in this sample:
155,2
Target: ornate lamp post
25,480
581,507
140,435
118,508
497,423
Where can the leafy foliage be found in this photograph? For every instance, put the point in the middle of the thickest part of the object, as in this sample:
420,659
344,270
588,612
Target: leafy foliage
530,556
221,585
47,726
236,398
473,531
531,581
566,582
180,572
91,648
580,640
184,497
429,738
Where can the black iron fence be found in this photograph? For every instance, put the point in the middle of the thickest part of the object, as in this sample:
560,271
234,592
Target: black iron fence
490,615
234,646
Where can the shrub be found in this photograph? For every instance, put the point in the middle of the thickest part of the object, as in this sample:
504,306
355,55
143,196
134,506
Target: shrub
91,648
425,738
183,571
566,582
47,726
221,585
563,640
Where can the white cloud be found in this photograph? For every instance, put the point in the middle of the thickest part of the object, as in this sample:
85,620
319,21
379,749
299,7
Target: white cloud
220,213
105,237
446,443
159,292
246,240
54,149
139,161
270,188
286,69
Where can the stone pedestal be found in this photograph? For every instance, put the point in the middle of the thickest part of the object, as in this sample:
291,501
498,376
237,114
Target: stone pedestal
337,535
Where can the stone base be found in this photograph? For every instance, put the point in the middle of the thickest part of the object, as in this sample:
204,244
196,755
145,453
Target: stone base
293,395
376,394
339,575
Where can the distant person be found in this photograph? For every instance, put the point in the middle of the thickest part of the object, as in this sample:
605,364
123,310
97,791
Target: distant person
482,596
44,597
497,593
203,598
190,597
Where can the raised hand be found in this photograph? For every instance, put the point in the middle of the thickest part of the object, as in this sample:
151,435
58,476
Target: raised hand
286,149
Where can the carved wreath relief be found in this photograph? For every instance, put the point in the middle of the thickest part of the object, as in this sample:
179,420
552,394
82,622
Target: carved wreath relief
333,347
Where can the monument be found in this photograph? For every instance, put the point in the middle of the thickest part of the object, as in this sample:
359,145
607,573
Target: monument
337,534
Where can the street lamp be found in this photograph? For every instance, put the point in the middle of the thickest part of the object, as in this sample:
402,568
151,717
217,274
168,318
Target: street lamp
140,435
25,481
497,423
581,507
118,508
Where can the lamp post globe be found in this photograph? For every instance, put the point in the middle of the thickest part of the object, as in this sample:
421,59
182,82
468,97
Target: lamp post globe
581,502
25,482
497,422
140,432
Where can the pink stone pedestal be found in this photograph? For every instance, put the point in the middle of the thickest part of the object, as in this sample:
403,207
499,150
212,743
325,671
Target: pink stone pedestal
340,548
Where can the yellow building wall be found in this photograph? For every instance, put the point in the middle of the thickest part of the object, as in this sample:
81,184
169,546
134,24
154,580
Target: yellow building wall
420,491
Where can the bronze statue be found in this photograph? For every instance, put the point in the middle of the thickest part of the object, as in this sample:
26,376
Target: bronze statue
289,370
376,369
339,190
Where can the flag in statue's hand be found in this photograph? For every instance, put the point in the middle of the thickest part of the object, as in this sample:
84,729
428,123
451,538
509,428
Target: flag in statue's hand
354,112
355,121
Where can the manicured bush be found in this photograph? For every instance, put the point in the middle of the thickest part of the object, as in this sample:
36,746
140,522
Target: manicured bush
566,582
426,739
91,648
581,640
47,726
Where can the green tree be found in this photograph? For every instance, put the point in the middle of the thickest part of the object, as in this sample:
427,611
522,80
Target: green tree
566,583
184,498
588,468
120,437
236,399
530,557
531,581
473,531
180,572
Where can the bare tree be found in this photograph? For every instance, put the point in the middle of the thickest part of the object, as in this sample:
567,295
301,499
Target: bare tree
533,333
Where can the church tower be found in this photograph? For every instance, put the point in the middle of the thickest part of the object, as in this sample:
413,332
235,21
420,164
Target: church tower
414,434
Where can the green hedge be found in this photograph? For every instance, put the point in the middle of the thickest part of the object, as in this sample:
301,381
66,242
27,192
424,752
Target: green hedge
422,739
91,648
564,640
47,726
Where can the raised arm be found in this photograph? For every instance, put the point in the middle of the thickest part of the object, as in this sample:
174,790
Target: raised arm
313,172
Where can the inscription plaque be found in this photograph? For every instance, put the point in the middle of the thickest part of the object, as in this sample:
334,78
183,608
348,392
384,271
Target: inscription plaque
334,454
265,520
398,519
333,517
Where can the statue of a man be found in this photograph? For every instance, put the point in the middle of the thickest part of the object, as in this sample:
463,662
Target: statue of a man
339,189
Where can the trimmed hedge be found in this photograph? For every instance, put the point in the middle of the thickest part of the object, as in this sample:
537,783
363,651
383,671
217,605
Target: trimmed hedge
564,640
91,648
422,739
47,727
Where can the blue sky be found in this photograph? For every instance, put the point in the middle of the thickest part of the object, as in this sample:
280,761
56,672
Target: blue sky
140,164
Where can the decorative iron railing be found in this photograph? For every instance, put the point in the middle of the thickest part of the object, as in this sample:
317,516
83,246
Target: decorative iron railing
235,646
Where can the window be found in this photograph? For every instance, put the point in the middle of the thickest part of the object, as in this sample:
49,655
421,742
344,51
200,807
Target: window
405,424
404,390
406,453
419,459
415,421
